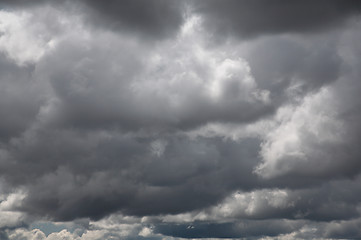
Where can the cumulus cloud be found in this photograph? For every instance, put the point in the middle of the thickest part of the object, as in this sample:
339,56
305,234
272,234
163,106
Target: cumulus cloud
153,119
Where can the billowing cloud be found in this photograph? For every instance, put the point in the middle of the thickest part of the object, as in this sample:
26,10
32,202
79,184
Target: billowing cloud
131,120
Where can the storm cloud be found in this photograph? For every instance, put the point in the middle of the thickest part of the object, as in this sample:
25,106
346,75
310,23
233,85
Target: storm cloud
247,19
180,119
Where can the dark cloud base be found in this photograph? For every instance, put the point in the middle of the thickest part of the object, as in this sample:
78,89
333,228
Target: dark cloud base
194,119
247,19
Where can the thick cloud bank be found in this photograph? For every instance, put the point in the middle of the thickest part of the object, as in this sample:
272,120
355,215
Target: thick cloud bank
180,119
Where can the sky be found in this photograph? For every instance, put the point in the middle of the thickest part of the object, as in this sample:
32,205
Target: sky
180,119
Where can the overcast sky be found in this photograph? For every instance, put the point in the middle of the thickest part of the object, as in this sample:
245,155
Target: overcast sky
170,119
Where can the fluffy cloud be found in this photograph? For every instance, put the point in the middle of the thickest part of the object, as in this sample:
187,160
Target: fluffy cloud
135,117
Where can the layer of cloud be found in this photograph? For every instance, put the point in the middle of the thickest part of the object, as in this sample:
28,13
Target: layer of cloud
247,19
147,126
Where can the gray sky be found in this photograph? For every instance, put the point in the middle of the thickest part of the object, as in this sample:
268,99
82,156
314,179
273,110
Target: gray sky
168,119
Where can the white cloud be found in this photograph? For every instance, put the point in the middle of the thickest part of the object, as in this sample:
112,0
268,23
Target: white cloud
22,39
9,216
158,147
96,83
288,144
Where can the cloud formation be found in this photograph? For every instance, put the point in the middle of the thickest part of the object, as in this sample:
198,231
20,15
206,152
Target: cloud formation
247,19
147,119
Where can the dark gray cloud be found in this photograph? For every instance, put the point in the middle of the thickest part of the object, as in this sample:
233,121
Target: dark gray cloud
119,98
247,19
152,19
187,136
20,3
156,18
138,178
345,229
310,62
223,18
19,102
